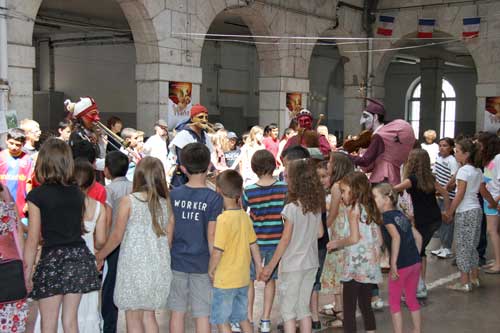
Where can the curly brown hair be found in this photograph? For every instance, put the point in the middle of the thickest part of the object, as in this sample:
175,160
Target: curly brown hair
304,186
419,165
361,192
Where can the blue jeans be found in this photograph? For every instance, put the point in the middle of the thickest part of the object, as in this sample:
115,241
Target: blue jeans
229,305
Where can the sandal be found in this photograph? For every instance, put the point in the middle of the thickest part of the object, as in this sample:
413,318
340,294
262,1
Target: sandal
328,310
335,323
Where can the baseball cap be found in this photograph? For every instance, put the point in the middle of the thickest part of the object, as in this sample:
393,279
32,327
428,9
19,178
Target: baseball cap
161,123
232,135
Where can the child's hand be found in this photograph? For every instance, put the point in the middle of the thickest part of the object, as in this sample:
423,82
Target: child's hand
332,245
99,264
211,275
394,273
265,274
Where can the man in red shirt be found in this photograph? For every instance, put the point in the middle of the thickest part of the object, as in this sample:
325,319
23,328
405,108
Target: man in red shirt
271,142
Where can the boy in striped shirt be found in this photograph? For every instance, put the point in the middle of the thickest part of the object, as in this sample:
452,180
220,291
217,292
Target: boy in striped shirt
264,202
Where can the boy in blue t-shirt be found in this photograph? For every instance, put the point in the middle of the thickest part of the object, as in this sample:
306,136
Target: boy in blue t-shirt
195,209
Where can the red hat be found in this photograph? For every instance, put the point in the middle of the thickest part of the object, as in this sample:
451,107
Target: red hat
375,107
197,109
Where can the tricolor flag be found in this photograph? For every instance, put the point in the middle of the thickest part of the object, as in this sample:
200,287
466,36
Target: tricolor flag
471,27
386,24
426,28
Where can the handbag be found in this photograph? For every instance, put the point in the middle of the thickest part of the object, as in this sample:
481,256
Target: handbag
11,267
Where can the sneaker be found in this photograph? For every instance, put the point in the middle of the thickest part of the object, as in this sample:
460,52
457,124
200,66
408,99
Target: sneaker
378,304
466,288
422,291
265,326
235,327
316,325
445,254
437,252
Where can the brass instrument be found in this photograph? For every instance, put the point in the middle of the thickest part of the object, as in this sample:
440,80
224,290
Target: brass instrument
111,134
209,127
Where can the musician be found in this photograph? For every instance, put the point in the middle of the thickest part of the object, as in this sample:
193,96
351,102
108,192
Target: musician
85,114
389,146
307,136
193,131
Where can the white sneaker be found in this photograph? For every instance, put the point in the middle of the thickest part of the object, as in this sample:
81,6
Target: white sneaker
235,327
445,254
437,252
378,304
265,326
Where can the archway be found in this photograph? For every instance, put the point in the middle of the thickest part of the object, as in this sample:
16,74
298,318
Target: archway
420,61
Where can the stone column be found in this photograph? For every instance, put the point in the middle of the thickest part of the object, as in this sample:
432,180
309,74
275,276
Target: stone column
272,98
152,90
353,107
431,90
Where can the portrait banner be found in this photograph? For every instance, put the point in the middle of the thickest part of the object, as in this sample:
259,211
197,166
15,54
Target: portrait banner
179,102
492,114
294,102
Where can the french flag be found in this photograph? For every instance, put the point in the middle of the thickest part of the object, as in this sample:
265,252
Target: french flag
471,27
386,25
426,28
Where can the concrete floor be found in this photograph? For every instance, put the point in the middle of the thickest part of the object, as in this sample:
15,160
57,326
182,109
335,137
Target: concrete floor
443,311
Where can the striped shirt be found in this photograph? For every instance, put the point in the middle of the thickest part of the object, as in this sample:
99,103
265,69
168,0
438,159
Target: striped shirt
444,169
265,204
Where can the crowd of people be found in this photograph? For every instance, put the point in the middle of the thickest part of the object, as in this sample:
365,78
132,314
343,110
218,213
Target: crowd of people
189,220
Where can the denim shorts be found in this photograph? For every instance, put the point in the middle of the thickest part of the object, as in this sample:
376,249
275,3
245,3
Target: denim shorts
229,305
266,256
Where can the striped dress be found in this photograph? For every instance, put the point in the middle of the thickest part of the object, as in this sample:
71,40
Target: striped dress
264,205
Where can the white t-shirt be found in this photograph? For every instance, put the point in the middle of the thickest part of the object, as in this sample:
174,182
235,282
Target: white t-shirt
492,176
302,251
473,176
432,150
156,146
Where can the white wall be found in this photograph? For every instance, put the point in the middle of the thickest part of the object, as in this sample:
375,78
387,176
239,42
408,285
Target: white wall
400,76
106,73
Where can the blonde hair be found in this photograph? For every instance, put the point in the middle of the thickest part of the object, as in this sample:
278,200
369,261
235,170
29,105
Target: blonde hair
252,136
219,140
28,124
149,177
387,190
430,134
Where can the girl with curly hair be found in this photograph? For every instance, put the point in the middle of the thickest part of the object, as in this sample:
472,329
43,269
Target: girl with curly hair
421,184
361,250
298,247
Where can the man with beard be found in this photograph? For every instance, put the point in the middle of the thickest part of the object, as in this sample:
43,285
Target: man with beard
194,131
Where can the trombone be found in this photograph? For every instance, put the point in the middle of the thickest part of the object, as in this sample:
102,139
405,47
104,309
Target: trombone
111,134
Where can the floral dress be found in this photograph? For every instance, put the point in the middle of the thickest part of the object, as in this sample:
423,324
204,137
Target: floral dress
361,261
334,262
12,315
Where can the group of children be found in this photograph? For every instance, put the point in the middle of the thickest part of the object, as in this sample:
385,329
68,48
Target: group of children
321,227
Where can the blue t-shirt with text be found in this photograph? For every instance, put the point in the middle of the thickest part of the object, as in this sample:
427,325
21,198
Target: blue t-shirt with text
193,208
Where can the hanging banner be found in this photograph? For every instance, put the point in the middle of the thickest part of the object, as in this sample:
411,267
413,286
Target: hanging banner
294,102
179,102
492,114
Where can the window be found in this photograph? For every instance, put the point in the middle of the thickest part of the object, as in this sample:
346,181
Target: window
448,108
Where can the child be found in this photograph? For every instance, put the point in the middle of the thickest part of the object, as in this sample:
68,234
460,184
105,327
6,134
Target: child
468,215
362,250
298,247
324,178
444,169
89,318
115,169
404,243
143,275
265,201
422,186
252,144
32,131
66,269
16,168
234,245
339,166
195,208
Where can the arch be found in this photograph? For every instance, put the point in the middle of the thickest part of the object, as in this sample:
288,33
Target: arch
137,15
